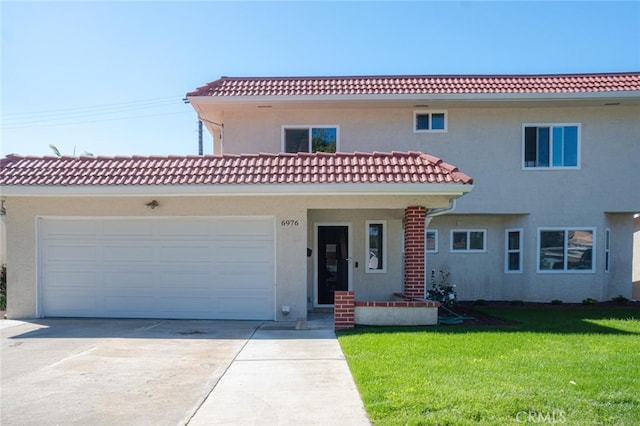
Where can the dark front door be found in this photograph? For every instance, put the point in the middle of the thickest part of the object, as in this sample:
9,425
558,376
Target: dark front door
333,262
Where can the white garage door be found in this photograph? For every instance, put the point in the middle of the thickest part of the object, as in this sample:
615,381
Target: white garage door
214,268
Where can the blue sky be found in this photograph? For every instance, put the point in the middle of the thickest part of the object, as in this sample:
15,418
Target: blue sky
109,77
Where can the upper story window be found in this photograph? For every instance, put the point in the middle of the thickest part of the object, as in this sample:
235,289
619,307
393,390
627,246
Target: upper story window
429,121
551,146
309,139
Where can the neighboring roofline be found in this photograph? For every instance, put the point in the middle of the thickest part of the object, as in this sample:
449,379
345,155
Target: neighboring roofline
310,189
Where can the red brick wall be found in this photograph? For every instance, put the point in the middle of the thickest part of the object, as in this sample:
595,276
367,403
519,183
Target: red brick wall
414,251
343,310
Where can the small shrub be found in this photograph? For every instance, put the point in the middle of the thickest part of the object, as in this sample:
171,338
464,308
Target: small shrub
589,301
441,289
556,302
480,302
620,300
517,302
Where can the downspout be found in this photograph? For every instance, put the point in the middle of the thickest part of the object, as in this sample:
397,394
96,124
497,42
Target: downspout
219,126
427,221
439,212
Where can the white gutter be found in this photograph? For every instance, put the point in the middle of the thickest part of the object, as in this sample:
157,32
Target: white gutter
277,189
629,94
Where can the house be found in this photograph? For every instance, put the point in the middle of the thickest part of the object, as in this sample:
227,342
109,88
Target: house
521,187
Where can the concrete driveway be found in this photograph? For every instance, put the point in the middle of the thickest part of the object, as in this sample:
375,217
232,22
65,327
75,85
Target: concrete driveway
112,371
174,372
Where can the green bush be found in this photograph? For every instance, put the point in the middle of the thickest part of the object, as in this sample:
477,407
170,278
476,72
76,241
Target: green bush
556,302
589,301
620,300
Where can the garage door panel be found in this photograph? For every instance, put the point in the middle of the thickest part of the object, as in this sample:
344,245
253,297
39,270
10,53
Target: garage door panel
128,279
72,303
186,253
185,279
70,278
64,227
158,268
128,253
128,304
185,305
127,228
71,252
191,229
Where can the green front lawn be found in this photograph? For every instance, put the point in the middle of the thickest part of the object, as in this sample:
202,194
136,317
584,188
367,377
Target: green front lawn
565,365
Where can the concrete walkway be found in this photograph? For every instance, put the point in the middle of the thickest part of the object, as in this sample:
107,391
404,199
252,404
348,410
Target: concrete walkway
285,377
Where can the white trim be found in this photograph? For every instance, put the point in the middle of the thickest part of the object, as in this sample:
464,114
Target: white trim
310,127
551,126
468,231
566,249
39,268
383,270
349,189
508,251
435,231
430,113
315,258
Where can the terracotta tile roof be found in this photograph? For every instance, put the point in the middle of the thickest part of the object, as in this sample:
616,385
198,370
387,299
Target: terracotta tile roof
420,84
301,168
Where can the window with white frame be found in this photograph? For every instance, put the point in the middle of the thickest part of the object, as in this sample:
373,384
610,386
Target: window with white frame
309,139
566,249
547,146
376,246
431,241
513,251
469,240
429,121
607,253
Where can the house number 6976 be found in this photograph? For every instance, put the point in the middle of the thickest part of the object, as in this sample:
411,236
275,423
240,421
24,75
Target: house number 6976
290,222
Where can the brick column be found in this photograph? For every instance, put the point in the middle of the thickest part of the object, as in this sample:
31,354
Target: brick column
414,251
343,310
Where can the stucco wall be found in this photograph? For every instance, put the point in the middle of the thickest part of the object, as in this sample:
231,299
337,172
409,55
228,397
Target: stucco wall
482,276
484,142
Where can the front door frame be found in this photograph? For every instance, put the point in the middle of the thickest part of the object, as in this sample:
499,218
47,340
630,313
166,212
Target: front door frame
316,225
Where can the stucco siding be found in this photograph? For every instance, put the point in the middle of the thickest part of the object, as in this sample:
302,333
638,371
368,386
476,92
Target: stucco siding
482,275
484,142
